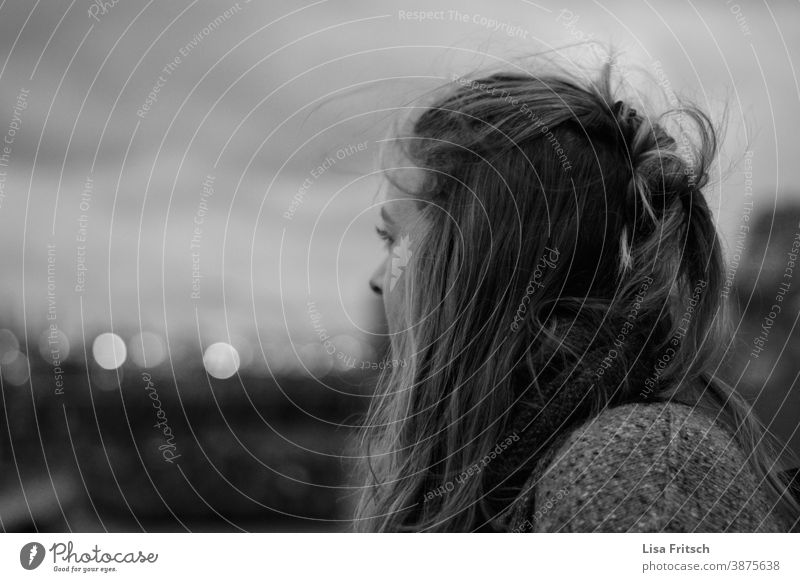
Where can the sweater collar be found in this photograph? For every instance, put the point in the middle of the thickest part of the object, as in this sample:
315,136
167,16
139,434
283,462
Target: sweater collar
565,395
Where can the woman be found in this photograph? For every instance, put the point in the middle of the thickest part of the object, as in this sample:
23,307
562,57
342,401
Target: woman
552,287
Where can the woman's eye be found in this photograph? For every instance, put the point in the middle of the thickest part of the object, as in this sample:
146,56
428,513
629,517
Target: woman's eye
384,236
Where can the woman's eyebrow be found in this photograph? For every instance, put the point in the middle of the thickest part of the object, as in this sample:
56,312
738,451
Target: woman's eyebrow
385,216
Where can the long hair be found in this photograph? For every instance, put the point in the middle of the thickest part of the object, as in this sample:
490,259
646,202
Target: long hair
547,202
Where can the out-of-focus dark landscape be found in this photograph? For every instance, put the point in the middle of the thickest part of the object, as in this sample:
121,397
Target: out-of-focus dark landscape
187,205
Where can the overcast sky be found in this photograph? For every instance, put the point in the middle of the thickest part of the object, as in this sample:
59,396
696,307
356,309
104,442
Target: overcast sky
254,103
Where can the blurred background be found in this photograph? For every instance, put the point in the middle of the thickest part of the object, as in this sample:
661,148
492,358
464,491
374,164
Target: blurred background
187,200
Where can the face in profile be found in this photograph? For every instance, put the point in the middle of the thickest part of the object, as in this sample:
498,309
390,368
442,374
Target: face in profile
399,228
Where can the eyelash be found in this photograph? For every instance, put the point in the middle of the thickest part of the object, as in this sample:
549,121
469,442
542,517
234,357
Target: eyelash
384,236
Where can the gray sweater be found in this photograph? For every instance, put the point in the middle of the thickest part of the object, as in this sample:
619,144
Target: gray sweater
644,468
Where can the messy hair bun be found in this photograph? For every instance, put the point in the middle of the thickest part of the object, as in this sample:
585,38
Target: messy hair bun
667,180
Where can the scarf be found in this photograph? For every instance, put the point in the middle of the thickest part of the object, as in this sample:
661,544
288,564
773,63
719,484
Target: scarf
567,395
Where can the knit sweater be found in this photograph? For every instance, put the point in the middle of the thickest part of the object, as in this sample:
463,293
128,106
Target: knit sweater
589,455
657,467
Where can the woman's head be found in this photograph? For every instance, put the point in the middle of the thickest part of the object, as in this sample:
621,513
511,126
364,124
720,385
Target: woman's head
521,207
504,170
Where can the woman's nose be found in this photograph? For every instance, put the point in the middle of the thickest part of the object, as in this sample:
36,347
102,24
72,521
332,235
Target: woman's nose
376,281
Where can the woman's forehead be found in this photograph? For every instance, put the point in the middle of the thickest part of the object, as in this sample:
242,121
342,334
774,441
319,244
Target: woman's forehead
400,210
400,203
402,181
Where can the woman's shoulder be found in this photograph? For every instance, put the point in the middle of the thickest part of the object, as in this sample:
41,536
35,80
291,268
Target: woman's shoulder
646,467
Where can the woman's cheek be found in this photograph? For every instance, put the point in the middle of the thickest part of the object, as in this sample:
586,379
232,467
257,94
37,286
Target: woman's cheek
394,291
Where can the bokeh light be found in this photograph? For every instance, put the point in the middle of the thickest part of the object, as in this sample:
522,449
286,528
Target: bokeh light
54,346
9,346
316,361
221,360
278,359
109,351
15,368
349,352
